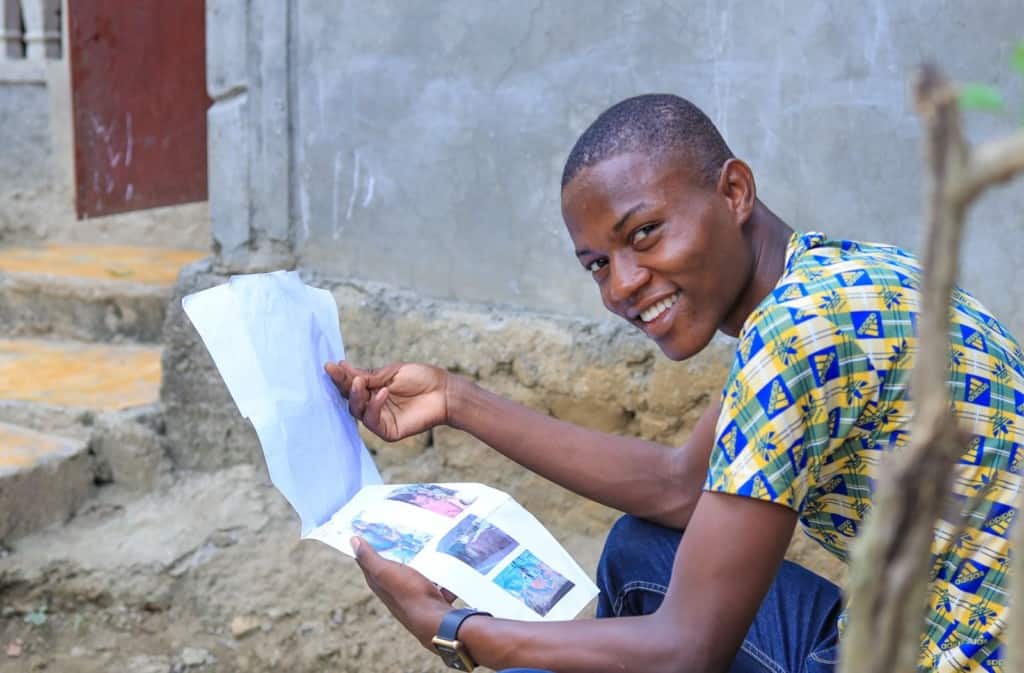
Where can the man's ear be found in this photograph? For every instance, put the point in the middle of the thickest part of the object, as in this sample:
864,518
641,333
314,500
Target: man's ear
736,185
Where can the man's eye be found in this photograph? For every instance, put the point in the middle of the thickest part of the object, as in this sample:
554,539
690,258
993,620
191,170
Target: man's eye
643,232
596,265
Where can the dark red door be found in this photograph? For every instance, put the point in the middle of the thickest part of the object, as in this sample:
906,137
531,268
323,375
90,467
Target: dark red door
138,92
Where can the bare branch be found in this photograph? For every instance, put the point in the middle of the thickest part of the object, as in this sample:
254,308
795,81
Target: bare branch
991,163
889,573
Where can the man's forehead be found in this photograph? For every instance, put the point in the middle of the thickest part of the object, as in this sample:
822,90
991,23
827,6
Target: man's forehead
625,177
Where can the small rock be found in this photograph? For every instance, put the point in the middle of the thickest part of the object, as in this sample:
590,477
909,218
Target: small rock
278,614
148,664
194,657
14,648
307,628
337,616
225,538
78,651
243,625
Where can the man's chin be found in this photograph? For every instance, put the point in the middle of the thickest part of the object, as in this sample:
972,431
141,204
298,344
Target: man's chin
683,349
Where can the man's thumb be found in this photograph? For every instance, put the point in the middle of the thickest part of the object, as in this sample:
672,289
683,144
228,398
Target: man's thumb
366,555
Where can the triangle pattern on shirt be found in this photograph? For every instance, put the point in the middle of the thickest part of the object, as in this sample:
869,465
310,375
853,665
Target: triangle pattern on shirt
973,338
799,315
1017,459
775,397
907,281
1000,523
750,345
870,327
970,576
975,451
969,573
758,487
822,364
978,390
732,441
977,387
849,278
792,291
759,490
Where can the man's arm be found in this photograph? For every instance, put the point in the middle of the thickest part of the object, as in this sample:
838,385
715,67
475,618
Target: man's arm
642,478
724,566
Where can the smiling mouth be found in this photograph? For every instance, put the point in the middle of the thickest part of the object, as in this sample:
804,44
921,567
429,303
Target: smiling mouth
654,312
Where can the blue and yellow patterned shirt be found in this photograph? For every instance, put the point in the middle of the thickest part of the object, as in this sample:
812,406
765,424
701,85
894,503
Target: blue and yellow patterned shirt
818,393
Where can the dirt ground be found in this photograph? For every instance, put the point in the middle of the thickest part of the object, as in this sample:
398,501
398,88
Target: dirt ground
206,573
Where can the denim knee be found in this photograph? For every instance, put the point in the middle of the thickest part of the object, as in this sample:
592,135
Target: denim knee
637,557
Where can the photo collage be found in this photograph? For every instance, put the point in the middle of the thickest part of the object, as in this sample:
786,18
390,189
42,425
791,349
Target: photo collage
474,541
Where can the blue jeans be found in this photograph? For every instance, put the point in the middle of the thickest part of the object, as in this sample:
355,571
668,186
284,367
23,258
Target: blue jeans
794,630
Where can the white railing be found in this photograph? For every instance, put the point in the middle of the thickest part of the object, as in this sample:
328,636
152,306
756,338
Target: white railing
30,33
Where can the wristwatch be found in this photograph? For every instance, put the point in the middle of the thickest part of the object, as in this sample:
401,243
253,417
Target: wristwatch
453,653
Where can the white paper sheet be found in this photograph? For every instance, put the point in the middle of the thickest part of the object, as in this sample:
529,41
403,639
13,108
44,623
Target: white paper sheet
269,336
474,540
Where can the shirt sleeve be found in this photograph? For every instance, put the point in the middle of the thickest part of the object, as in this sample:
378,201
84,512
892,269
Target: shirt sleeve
797,387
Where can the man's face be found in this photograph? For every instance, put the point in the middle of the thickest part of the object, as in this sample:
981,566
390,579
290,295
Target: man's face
668,254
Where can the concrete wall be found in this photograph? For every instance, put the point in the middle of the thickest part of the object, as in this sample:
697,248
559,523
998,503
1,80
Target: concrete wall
427,141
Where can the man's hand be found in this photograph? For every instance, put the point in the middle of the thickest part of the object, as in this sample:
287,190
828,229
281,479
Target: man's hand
395,401
413,599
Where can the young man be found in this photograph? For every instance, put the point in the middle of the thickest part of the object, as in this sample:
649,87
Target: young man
668,223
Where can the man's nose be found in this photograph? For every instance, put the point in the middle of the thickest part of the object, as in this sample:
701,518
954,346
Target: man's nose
626,278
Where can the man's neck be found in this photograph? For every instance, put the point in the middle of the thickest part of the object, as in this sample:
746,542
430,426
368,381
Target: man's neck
769,236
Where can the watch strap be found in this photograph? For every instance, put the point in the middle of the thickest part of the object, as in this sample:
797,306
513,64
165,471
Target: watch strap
449,629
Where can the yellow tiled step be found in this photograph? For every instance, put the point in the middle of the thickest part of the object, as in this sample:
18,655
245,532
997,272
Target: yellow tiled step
43,479
79,375
88,293
22,448
150,266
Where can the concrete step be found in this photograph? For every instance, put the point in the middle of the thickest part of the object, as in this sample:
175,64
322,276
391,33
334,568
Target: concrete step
43,479
72,414
88,292
48,384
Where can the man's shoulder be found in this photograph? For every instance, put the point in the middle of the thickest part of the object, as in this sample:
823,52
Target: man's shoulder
852,285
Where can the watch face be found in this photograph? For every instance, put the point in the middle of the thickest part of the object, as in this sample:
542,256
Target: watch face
452,659
452,655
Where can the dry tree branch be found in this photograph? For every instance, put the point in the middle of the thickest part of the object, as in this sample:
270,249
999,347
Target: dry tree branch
992,163
890,569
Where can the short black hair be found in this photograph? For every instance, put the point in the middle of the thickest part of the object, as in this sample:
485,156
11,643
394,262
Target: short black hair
654,124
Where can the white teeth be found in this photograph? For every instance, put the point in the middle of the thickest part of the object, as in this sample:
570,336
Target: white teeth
654,311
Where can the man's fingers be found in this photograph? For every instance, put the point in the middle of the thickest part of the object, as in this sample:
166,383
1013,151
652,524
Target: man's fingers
340,376
357,398
374,408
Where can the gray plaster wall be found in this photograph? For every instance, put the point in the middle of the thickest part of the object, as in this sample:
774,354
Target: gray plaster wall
24,136
427,139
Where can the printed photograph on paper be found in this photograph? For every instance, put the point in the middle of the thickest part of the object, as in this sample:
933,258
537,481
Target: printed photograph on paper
478,544
433,498
391,542
533,582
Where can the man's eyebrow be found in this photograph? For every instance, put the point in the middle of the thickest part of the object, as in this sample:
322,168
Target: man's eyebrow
618,225
622,220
